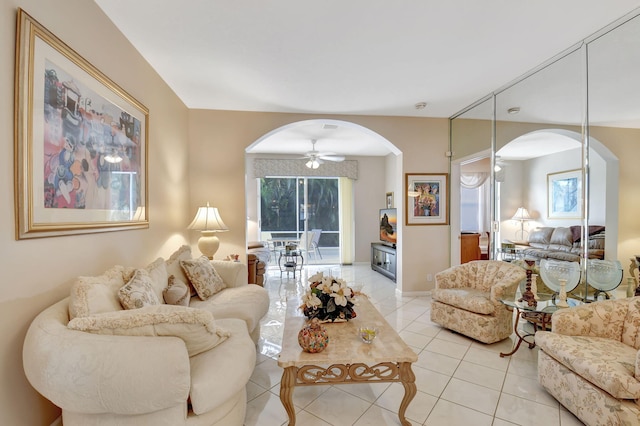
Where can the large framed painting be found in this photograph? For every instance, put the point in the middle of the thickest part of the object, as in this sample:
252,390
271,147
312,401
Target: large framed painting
80,143
564,190
426,199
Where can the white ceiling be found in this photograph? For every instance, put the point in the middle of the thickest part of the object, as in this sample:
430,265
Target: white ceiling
369,57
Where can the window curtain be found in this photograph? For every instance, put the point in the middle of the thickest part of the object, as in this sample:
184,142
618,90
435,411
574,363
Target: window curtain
346,221
480,181
473,180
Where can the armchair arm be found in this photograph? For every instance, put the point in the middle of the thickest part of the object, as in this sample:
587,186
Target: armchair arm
598,319
92,373
504,290
450,278
234,274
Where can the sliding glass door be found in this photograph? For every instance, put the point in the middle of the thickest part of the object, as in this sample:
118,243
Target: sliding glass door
305,209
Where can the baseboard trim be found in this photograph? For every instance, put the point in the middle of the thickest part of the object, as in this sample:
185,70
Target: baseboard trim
413,293
57,422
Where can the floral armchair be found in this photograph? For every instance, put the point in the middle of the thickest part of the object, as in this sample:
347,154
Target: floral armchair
590,361
467,299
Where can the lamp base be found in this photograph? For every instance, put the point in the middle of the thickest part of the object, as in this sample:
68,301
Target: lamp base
208,243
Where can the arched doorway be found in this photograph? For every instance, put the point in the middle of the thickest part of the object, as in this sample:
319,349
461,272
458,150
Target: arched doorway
379,171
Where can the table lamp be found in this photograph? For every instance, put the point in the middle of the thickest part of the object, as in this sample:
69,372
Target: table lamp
208,222
521,215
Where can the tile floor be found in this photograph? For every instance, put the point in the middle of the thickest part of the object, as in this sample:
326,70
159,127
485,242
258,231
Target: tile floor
459,381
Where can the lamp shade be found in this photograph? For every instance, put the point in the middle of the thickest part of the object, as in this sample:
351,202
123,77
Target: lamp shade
208,222
521,214
208,219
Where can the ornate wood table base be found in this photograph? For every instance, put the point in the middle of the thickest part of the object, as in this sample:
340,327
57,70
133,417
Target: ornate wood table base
346,358
348,373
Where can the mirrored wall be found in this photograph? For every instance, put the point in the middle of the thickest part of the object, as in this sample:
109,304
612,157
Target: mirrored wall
563,142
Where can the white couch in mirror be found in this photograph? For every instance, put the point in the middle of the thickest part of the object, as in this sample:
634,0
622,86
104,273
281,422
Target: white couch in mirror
169,344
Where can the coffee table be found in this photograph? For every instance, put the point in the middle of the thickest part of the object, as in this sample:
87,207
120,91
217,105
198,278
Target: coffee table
346,359
538,315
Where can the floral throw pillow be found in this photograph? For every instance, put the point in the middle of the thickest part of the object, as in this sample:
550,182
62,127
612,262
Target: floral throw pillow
138,292
177,292
203,277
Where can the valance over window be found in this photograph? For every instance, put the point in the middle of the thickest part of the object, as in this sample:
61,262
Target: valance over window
264,167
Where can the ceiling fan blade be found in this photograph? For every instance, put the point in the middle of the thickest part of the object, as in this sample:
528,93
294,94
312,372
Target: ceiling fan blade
336,158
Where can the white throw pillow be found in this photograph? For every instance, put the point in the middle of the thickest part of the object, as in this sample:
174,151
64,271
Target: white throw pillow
196,327
96,295
172,265
203,277
159,277
138,292
176,292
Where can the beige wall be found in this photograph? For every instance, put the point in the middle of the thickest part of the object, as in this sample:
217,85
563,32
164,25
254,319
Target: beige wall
38,272
217,172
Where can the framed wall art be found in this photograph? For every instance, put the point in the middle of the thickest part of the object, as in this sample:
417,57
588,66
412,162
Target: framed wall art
564,191
80,143
426,199
389,200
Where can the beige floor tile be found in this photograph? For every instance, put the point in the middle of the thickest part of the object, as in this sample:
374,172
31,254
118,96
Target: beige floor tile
527,388
305,418
367,391
480,375
378,416
470,395
264,410
487,358
444,347
419,408
437,362
338,407
446,413
526,413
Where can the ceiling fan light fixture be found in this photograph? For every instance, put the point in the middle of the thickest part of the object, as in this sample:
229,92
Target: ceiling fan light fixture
312,163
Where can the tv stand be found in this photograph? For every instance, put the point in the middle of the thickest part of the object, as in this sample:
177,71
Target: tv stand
383,260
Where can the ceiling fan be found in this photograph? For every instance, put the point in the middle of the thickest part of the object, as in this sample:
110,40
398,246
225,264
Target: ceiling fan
316,158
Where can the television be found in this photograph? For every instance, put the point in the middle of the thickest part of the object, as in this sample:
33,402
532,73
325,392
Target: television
388,226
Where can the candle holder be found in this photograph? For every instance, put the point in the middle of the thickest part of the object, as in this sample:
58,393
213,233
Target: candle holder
528,295
562,296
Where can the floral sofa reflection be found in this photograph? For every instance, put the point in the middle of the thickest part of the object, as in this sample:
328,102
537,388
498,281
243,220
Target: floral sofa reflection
590,361
467,299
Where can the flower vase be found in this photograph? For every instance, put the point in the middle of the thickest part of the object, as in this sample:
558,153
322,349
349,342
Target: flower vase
562,297
313,337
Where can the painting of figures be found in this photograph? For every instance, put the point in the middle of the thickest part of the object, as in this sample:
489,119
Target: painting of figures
81,142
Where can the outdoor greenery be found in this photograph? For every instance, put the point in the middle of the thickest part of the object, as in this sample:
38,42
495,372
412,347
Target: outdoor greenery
279,198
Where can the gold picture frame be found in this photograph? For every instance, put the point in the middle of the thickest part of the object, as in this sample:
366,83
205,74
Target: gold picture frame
426,201
80,142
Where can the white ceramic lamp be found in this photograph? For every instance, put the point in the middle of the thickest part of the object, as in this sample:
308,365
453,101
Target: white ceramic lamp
521,215
208,222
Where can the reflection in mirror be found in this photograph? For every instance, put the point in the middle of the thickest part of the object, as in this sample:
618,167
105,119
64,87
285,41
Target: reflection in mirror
614,135
471,136
538,143
587,189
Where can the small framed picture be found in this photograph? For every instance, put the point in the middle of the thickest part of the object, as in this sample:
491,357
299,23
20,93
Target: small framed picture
389,200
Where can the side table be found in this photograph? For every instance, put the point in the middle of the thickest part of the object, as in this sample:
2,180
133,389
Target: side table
290,261
539,316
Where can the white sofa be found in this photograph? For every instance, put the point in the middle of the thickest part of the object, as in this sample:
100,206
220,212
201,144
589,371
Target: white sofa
137,370
590,361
